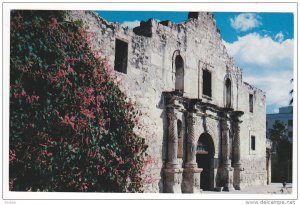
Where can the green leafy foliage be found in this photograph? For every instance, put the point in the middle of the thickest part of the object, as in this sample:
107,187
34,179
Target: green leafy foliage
278,132
71,128
278,135
283,153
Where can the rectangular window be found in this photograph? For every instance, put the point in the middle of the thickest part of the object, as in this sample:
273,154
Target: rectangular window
252,142
206,83
121,55
290,122
290,135
250,103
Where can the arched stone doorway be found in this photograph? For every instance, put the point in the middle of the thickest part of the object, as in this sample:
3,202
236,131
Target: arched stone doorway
205,160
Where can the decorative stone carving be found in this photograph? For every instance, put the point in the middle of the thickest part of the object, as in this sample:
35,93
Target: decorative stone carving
191,121
237,177
229,181
172,138
236,136
225,143
172,126
236,150
191,180
226,162
191,142
236,143
173,179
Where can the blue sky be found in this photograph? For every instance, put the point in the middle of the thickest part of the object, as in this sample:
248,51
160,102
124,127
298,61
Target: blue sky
260,43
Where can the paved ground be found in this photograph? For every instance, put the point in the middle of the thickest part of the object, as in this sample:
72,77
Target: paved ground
273,188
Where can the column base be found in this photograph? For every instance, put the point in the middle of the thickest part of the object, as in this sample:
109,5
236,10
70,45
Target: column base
229,179
191,180
173,180
172,165
191,165
237,178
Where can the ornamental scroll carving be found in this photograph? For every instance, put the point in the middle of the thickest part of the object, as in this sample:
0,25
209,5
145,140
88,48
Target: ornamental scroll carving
236,139
197,182
224,125
236,134
172,126
225,141
191,121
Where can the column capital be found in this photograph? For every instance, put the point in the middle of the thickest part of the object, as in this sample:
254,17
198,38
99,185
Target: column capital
171,113
235,116
191,118
224,124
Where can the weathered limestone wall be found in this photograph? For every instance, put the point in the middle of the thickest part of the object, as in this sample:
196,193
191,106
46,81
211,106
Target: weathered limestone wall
254,124
152,48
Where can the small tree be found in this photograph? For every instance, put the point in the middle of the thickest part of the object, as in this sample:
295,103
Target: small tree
283,151
277,132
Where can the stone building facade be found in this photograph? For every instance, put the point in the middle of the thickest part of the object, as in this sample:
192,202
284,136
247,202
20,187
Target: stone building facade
208,127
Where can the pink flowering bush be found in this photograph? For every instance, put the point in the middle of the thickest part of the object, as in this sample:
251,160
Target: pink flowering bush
71,128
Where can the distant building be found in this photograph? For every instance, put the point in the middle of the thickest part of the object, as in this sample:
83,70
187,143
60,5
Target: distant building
285,115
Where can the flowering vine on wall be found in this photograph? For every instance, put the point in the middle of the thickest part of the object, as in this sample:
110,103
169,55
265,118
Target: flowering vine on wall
71,128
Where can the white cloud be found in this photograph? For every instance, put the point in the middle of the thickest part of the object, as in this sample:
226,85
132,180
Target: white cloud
279,37
268,64
276,85
260,50
245,21
131,24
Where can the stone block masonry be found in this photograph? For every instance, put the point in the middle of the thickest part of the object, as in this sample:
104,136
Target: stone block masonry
207,126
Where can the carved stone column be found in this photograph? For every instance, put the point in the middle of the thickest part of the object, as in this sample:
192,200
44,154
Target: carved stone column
226,162
172,139
191,144
191,172
236,150
172,172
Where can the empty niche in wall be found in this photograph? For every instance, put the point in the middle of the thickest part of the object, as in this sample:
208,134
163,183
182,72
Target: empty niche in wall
228,93
179,74
250,103
253,143
180,139
121,56
206,83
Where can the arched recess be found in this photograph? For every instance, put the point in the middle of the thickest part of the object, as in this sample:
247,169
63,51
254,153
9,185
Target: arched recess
178,68
205,160
228,92
180,139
